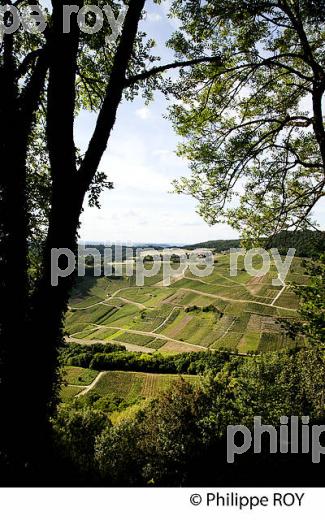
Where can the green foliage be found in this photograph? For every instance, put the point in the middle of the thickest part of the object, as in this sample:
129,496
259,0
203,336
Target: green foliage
75,432
106,403
307,243
161,444
118,455
216,245
157,446
78,376
116,390
68,393
81,355
187,363
245,121
191,311
286,383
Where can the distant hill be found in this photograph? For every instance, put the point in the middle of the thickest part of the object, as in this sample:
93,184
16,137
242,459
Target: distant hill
216,245
307,243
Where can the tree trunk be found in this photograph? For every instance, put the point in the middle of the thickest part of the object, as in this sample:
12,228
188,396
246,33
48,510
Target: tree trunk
30,357
48,307
13,266
17,111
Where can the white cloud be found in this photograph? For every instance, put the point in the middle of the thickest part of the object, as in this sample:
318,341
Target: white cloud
153,17
143,113
163,153
130,168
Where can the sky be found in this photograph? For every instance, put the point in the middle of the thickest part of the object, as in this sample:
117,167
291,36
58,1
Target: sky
141,162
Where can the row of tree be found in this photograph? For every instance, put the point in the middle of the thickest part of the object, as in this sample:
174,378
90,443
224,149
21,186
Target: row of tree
105,357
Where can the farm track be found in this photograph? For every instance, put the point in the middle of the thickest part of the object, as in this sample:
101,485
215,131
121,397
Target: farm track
151,334
202,293
227,330
129,346
131,331
155,334
216,296
233,286
278,295
92,385
166,320
173,279
209,283
139,305
106,301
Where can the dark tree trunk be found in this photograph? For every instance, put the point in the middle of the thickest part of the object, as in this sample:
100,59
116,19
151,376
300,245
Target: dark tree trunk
13,266
16,114
48,307
33,324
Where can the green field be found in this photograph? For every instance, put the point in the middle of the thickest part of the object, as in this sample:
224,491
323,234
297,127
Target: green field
69,392
75,380
79,376
191,314
129,386
218,311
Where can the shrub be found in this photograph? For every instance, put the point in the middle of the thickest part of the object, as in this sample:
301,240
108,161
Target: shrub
158,445
76,351
75,432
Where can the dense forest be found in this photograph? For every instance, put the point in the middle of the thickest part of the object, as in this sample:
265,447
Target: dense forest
307,243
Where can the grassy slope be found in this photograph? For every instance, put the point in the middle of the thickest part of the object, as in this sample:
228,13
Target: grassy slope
131,385
79,376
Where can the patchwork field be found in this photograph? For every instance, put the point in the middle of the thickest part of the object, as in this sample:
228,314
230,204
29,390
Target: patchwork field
192,313
129,386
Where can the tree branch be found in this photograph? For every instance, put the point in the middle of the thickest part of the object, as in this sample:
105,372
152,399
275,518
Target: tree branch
177,64
27,61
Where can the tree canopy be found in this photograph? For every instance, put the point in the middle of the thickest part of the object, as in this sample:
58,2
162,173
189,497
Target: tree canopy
253,127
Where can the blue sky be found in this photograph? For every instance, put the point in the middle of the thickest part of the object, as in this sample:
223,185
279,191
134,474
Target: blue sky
141,162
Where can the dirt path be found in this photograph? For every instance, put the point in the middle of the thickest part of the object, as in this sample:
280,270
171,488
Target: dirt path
78,386
278,295
233,286
216,296
129,346
165,321
86,308
209,283
138,332
152,334
111,297
173,279
137,304
92,385
227,330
